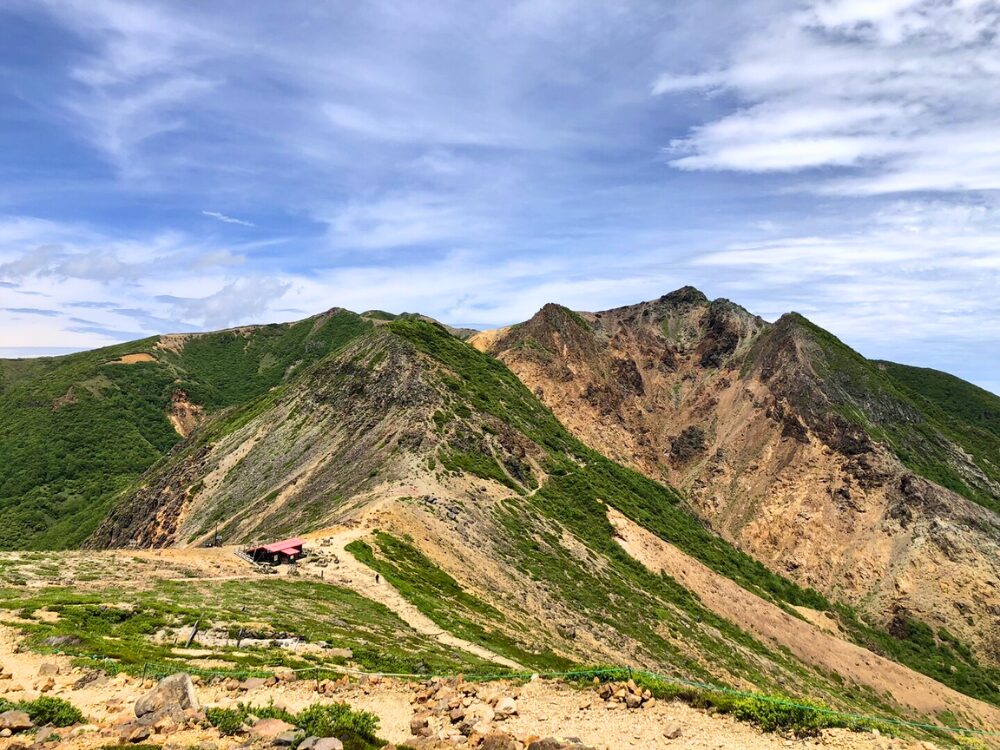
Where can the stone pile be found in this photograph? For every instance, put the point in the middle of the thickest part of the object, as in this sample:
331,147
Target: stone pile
450,713
627,693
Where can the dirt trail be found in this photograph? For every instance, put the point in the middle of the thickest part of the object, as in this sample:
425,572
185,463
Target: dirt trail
805,640
545,708
354,575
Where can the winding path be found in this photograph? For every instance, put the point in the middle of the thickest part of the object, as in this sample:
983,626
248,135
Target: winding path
352,574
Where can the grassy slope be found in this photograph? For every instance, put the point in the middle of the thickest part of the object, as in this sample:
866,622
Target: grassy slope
63,466
101,629
580,482
921,414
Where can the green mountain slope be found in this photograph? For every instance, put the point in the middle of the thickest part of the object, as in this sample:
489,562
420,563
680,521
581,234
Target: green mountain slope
76,430
939,426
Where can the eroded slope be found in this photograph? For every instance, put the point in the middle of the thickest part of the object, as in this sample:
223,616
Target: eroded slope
853,477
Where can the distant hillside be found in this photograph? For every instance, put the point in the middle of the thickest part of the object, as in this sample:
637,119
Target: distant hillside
76,430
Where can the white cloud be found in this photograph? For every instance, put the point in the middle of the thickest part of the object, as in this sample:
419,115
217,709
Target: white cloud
905,95
235,302
227,219
912,271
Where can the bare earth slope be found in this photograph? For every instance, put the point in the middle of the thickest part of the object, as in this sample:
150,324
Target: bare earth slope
806,640
827,467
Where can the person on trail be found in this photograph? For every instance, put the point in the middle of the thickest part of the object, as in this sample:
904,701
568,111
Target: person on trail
376,578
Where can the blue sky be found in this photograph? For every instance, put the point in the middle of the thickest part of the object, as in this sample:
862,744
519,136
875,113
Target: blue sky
171,166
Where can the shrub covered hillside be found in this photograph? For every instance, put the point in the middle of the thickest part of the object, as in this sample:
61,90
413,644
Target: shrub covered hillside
76,430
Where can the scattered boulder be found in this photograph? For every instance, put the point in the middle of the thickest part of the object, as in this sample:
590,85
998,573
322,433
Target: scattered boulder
48,669
134,732
420,725
15,721
270,729
286,739
672,731
253,683
47,734
499,741
504,708
94,677
174,696
328,743
558,743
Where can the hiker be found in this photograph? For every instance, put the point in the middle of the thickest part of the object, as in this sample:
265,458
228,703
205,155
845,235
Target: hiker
376,578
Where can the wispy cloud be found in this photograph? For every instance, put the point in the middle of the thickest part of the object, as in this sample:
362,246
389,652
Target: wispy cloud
476,165
227,219
902,95
230,304
31,311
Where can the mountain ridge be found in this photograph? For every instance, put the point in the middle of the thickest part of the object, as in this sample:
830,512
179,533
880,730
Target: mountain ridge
789,444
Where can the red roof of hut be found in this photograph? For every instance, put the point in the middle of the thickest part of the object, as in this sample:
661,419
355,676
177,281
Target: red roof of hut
289,546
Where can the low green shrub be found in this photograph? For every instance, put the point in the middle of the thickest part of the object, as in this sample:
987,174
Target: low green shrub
339,720
356,729
227,720
46,710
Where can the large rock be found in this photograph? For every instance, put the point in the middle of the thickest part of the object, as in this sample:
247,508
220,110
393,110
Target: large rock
499,741
558,743
15,721
328,743
269,729
505,707
174,696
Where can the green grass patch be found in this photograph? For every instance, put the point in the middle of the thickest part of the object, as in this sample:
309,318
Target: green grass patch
358,730
440,597
46,710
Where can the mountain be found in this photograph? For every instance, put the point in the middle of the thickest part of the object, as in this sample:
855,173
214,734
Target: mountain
872,482
468,494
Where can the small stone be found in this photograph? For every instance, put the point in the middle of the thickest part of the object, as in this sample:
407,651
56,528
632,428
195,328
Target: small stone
47,734
135,733
672,731
286,739
48,669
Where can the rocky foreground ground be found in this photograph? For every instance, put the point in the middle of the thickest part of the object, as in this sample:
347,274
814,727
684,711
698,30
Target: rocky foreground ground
537,715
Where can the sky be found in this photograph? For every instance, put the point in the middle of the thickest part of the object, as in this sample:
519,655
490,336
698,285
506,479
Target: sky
178,166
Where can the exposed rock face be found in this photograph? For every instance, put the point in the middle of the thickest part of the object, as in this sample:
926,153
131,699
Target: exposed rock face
751,420
184,415
327,438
